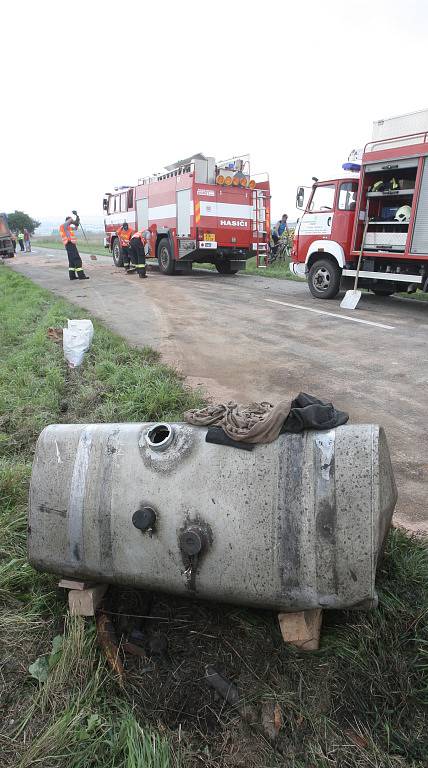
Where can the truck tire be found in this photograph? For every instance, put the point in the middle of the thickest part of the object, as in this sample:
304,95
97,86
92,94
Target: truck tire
117,253
165,258
324,279
224,268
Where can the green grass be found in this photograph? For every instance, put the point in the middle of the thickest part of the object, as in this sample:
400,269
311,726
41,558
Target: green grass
280,270
115,383
360,702
93,245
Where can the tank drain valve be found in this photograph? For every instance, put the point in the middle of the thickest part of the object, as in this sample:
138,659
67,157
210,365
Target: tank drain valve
193,541
144,519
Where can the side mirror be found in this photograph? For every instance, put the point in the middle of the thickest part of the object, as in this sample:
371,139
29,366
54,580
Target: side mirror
105,204
300,196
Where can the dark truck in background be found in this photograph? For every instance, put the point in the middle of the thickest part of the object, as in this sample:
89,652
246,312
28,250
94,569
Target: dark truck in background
6,243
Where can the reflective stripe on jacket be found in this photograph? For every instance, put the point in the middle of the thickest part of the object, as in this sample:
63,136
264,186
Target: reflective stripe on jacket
68,233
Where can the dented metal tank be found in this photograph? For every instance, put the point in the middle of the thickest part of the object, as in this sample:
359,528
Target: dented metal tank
295,524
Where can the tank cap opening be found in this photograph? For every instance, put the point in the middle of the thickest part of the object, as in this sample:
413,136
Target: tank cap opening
159,437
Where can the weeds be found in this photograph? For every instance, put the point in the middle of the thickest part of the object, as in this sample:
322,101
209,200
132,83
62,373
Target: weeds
36,388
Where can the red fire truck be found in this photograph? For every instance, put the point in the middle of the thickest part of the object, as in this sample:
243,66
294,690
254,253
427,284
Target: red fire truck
197,210
390,187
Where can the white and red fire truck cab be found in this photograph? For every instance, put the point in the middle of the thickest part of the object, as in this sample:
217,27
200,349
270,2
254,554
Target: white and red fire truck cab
197,210
392,190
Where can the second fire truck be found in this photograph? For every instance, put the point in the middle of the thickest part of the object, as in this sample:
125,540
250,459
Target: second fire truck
389,189
196,211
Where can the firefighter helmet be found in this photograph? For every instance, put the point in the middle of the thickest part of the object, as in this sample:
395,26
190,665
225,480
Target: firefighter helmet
403,214
384,186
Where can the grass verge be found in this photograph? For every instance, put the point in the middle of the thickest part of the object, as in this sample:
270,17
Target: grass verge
91,246
360,702
36,388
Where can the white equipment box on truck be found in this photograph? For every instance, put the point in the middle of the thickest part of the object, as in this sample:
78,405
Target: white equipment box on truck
401,125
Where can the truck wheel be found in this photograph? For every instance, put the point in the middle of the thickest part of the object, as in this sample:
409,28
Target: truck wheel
117,253
166,262
324,279
224,268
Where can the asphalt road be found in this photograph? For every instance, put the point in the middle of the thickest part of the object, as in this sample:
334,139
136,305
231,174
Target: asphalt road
255,338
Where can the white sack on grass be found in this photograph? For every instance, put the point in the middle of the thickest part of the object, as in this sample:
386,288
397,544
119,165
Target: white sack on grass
76,340
85,325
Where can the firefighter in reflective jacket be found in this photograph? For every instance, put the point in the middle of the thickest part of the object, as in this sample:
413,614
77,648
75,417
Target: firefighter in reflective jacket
138,244
124,234
68,237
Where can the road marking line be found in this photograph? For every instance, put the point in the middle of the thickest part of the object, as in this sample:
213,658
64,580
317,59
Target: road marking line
332,314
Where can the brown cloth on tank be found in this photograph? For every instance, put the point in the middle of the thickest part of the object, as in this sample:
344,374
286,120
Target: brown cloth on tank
252,423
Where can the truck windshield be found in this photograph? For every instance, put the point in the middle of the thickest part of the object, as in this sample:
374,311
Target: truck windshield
323,198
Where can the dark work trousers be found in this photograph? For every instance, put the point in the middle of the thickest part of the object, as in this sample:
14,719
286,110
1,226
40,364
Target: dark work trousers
21,245
75,269
126,258
138,256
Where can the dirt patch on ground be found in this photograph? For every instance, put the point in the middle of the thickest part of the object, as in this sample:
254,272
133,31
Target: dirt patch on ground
169,688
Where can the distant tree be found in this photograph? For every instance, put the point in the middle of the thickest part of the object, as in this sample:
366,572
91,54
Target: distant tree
19,221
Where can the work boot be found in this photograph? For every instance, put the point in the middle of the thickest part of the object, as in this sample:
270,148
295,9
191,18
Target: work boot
82,276
142,273
72,276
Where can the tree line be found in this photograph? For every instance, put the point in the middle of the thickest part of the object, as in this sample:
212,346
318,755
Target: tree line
18,221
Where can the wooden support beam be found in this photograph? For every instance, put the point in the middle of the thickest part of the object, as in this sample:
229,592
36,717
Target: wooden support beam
74,584
302,629
84,602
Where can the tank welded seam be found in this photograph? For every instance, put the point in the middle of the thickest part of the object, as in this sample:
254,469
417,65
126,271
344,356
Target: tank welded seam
104,505
326,517
291,567
77,496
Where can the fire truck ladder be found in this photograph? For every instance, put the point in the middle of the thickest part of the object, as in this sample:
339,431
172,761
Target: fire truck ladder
261,226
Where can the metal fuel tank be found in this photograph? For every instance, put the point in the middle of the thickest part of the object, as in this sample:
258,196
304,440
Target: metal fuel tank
295,524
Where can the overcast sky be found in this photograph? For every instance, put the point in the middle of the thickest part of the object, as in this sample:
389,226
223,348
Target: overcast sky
101,93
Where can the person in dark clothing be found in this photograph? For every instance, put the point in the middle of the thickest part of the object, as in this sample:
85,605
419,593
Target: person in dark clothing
137,246
68,237
124,234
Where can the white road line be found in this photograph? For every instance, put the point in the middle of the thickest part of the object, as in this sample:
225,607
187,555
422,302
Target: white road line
332,314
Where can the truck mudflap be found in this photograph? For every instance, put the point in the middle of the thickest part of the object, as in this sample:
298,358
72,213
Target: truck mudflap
237,263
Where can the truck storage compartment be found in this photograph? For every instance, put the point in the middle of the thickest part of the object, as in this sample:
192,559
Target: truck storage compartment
389,188
386,239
